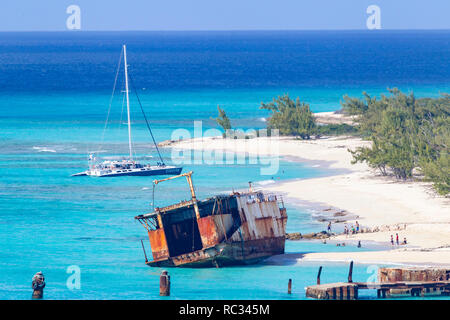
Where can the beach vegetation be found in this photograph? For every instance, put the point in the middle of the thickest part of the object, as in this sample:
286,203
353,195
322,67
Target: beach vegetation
290,117
223,120
335,130
408,135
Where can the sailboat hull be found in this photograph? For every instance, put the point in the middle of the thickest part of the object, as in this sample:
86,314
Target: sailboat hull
131,172
138,172
152,172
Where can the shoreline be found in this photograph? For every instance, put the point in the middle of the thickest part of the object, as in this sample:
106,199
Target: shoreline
380,204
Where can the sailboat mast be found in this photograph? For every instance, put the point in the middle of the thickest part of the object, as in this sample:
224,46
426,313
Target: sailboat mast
128,98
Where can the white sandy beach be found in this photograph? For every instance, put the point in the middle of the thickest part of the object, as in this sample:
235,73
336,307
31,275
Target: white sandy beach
410,209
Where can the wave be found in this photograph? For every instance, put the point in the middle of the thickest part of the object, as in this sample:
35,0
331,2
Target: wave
97,151
266,182
284,259
44,149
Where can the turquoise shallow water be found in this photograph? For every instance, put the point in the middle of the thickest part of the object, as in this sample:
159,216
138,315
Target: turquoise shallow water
54,93
50,221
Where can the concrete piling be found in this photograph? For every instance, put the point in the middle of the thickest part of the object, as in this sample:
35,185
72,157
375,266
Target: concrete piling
38,285
164,283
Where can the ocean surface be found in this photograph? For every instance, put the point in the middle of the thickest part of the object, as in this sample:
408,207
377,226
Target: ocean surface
55,92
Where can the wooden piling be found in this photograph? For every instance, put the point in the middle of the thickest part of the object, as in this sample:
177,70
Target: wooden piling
350,272
290,286
318,275
164,284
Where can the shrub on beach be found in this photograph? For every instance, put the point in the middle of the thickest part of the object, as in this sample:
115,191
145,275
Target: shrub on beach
407,133
223,120
290,117
335,129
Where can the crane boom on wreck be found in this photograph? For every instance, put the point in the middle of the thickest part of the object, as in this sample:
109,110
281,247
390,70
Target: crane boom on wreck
188,176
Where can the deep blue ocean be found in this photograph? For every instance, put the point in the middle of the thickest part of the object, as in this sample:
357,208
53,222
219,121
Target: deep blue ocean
55,90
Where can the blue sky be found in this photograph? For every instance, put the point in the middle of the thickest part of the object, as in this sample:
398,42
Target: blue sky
39,15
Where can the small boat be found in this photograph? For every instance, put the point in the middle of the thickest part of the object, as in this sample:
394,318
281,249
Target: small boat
224,230
128,166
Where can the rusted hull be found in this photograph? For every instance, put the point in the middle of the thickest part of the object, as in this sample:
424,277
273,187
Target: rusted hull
226,254
219,231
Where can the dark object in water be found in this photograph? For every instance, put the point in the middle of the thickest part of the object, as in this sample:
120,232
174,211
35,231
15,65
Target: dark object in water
241,228
38,285
164,283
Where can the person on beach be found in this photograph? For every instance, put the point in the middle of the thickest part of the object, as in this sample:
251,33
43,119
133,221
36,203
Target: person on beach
357,227
392,239
346,230
396,239
404,240
329,227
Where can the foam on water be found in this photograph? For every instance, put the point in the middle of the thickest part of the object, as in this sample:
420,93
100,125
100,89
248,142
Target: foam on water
44,149
266,182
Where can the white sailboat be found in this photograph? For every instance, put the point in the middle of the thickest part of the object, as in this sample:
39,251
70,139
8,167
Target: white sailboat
128,166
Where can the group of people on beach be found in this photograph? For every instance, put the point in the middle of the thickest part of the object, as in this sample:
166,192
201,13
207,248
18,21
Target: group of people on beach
353,230
397,241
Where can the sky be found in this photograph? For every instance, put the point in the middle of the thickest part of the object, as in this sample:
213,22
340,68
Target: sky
125,15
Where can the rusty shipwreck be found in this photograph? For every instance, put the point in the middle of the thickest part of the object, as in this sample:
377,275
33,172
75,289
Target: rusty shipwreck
240,228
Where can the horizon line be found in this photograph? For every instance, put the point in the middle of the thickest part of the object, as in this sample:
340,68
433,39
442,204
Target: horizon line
222,30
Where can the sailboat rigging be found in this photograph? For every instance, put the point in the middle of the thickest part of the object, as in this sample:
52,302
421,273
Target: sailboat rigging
129,166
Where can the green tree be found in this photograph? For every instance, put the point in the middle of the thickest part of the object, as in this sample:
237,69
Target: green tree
434,143
290,117
406,133
223,120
